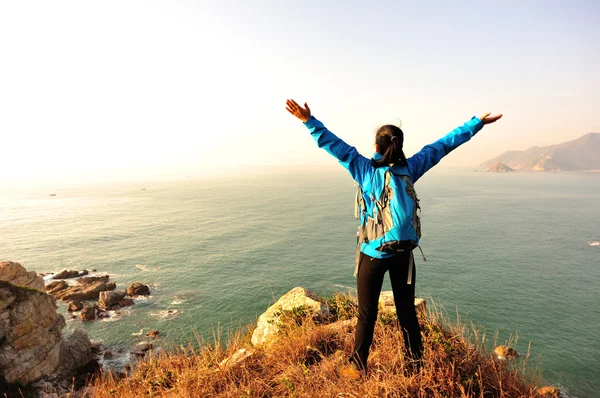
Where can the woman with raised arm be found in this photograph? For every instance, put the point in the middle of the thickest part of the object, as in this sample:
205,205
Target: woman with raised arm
387,207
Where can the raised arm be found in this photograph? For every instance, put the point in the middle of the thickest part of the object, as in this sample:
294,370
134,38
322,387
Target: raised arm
431,154
358,165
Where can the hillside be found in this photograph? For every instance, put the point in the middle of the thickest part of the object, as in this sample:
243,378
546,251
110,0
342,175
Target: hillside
580,154
500,167
304,355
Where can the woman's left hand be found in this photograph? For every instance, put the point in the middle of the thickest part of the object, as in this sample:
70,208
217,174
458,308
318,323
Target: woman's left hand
487,119
296,110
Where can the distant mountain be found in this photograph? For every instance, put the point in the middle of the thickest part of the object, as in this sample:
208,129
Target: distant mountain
500,167
580,154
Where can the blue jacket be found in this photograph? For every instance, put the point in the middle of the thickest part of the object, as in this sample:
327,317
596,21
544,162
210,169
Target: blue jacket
370,178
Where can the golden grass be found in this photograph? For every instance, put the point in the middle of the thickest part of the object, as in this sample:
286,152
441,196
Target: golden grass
304,359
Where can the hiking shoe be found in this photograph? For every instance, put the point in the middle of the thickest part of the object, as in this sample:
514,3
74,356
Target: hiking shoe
351,371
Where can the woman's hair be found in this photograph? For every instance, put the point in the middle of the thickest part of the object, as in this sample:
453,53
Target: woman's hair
389,140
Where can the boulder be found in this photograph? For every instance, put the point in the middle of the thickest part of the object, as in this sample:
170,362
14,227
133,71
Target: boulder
16,274
74,305
30,330
89,291
68,274
549,391
88,313
126,302
110,299
75,353
153,333
56,286
138,289
505,352
268,323
90,279
236,358
386,303
142,349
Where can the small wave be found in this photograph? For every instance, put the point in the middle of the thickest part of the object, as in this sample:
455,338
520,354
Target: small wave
165,314
142,267
594,243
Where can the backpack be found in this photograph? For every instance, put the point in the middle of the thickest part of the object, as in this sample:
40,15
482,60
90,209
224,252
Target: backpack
395,224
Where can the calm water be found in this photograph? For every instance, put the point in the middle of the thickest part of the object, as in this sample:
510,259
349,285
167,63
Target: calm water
510,251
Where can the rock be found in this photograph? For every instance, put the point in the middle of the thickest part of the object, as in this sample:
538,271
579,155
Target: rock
88,313
74,305
75,353
126,302
236,358
386,302
90,279
56,286
16,274
549,391
153,333
111,286
268,323
66,274
142,349
505,352
500,167
89,291
31,333
110,299
138,289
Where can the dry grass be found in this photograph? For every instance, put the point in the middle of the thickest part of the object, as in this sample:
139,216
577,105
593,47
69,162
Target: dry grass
304,359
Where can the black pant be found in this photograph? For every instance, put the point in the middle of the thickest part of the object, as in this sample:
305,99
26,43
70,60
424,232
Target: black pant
369,280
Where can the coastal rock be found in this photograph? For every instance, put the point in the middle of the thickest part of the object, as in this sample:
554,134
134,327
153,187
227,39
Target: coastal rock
68,274
500,167
74,305
110,299
16,274
126,302
505,352
153,333
143,348
56,286
269,322
88,313
30,333
236,358
138,289
386,303
75,353
90,279
89,291
549,391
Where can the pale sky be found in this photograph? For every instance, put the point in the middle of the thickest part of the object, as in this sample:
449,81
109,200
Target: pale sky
134,89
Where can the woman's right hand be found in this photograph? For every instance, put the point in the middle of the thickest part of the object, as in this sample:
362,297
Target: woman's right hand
487,119
296,110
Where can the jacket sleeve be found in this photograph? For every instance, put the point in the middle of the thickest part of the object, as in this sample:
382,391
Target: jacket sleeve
431,154
358,165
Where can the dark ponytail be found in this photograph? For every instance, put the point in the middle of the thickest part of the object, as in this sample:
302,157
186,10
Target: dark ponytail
390,140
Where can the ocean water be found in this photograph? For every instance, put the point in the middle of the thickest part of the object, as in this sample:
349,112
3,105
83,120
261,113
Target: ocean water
513,253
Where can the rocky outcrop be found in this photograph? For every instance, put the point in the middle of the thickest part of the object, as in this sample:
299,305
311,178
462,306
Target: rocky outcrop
549,392
138,289
30,333
88,291
68,274
298,299
16,274
74,305
500,167
111,299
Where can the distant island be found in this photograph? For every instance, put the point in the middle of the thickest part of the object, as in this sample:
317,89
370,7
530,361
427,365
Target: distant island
580,154
500,167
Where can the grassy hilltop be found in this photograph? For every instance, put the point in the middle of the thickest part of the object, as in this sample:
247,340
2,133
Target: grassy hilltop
303,360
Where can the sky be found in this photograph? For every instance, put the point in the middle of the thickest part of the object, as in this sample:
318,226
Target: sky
141,89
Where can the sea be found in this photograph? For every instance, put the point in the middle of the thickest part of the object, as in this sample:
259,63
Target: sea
516,255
